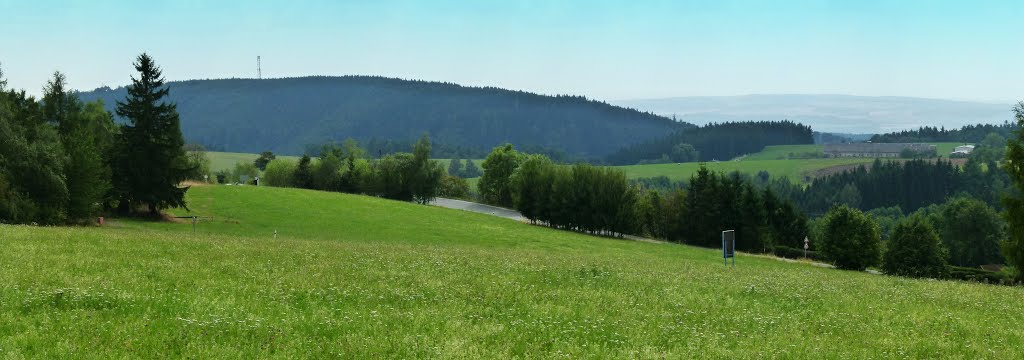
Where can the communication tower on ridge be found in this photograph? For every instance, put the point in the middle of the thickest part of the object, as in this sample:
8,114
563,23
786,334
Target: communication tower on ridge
259,70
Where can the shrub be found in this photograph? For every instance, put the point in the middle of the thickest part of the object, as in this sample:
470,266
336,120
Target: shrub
850,239
279,173
978,275
914,250
794,253
454,187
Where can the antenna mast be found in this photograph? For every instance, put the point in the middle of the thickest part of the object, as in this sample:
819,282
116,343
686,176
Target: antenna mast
259,70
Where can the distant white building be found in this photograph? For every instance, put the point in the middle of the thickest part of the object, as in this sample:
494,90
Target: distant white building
963,150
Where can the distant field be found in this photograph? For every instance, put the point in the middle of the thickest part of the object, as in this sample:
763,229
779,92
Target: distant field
783,152
360,277
778,161
227,160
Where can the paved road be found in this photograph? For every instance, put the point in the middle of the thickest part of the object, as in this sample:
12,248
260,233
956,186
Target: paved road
480,208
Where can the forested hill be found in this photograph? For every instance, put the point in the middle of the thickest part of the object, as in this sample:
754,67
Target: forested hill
286,115
966,134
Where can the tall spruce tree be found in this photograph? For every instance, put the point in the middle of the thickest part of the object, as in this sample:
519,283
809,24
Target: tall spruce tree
1014,165
153,161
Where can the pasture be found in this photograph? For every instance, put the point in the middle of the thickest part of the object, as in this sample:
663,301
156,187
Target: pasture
360,277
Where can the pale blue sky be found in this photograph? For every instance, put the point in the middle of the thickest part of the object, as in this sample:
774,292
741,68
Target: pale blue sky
602,49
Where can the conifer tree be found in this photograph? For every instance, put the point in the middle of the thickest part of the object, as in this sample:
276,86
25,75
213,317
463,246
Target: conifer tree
471,170
152,162
303,176
455,167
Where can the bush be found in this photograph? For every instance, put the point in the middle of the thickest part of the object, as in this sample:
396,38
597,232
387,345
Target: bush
978,275
850,239
279,173
794,253
914,250
454,187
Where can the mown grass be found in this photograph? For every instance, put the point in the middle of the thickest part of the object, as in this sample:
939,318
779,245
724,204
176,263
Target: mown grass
359,277
226,160
783,152
779,161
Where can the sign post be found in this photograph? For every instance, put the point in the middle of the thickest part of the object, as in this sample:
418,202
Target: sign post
729,247
807,245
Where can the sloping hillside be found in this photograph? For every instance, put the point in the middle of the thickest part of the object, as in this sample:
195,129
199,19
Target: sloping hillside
360,277
285,115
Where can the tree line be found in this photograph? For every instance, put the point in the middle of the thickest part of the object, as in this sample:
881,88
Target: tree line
601,200
966,134
714,142
347,168
65,161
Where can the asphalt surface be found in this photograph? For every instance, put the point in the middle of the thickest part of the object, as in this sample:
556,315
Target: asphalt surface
479,208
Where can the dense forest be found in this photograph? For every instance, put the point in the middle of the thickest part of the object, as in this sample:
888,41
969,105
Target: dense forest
966,134
910,185
717,141
286,115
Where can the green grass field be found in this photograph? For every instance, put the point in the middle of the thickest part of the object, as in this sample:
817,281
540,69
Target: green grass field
779,161
227,160
360,277
796,170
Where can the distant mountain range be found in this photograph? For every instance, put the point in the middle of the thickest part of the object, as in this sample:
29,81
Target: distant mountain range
288,115
828,113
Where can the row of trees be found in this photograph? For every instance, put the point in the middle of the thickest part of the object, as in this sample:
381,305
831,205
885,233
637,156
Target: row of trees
967,134
346,168
715,142
62,160
601,200
469,170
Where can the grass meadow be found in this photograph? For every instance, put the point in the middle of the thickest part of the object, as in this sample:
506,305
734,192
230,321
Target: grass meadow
226,160
360,277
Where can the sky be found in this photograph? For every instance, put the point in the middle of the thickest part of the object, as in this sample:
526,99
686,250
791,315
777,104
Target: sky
607,50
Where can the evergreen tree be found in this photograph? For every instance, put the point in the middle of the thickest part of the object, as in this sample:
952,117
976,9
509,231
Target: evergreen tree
702,209
915,251
471,170
303,176
153,161
455,167
1014,165
425,174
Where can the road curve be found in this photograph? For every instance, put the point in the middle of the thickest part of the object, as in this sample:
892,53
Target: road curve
478,208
